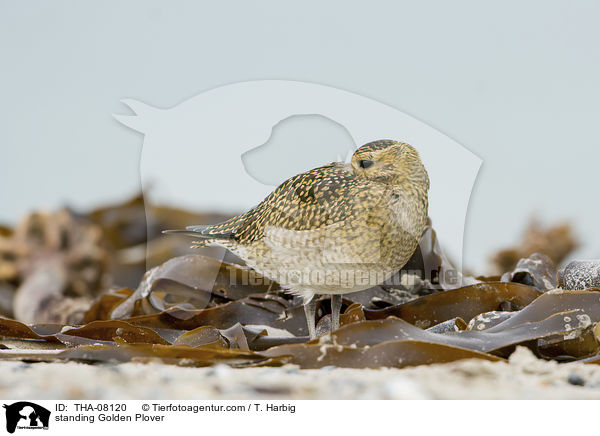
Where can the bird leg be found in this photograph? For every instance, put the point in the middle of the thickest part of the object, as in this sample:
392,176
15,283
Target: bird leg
310,307
336,306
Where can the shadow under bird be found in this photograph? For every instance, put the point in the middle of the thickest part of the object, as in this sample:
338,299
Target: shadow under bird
333,230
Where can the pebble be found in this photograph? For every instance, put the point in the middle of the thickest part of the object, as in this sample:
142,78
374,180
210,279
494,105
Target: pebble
537,270
220,370
575,379
580,274
328,368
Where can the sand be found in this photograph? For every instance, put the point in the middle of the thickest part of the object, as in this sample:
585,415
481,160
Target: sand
523,377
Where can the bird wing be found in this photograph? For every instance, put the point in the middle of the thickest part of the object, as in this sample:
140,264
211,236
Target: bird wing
315,199
312,200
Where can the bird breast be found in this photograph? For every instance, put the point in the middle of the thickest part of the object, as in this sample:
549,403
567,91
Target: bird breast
405,216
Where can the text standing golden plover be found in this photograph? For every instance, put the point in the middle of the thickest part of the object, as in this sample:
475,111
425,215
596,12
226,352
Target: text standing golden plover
335,229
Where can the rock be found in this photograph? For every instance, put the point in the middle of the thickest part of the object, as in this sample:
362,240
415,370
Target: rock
537,270
575,379
580,274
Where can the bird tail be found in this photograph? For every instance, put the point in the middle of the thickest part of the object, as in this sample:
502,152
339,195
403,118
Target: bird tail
204,242
207,234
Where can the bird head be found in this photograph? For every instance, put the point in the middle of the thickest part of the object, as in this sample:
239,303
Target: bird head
390,162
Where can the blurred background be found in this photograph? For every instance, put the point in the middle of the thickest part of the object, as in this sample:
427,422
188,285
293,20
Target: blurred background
516,83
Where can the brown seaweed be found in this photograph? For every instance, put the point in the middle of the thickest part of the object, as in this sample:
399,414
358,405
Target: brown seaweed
192,282
555,325
466,303
194,310
393,354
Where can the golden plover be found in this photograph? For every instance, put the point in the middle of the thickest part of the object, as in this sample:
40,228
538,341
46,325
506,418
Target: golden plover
335,229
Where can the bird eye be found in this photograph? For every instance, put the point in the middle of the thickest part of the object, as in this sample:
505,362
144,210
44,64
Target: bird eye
365,163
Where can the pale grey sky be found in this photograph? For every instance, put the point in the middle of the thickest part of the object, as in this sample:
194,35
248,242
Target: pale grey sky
514,82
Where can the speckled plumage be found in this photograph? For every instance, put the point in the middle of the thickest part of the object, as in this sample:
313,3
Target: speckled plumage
335,229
